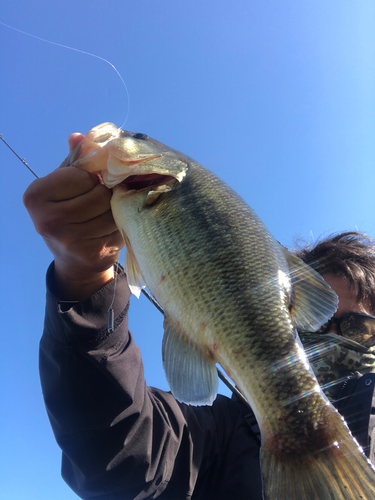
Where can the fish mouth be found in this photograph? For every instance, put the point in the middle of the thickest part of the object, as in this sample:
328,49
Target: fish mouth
145,181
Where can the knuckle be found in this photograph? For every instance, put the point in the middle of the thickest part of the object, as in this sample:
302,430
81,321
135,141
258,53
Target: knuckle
48,226
30,196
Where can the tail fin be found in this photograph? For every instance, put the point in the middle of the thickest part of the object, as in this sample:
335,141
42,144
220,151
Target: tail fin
339,472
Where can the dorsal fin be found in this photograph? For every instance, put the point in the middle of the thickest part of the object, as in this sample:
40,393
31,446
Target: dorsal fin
313,301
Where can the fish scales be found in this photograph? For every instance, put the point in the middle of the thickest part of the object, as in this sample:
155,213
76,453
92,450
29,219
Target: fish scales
234,308
232,295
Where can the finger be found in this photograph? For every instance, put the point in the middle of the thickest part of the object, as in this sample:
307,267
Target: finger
107,245
74,140
66,228
114,241
69,183
91,252
99,227
80,147
85,207
61,184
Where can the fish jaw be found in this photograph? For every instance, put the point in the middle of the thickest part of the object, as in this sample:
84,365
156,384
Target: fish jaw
123,164
118,154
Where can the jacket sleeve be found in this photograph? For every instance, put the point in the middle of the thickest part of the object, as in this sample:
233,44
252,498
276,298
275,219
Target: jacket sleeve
121,439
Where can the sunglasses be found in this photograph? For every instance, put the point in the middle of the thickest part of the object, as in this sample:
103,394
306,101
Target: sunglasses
354,326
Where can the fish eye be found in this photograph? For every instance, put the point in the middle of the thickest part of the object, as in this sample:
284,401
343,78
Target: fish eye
140,136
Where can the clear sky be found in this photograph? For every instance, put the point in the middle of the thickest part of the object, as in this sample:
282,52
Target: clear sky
276,97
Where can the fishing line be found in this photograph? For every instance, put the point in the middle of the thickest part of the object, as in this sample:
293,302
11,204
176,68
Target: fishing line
82,52
111,312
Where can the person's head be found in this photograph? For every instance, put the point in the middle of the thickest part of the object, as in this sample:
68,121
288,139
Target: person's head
347,262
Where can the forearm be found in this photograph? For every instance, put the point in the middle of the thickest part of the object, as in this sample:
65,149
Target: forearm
80,386
97,400
76,333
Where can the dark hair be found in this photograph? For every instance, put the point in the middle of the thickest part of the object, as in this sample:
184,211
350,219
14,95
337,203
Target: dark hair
349,254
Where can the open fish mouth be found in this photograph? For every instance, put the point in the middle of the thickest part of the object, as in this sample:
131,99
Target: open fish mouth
145,181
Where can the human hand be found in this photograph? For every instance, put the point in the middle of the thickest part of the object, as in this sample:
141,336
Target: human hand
70,209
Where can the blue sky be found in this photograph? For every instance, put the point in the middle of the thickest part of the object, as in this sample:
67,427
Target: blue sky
277,98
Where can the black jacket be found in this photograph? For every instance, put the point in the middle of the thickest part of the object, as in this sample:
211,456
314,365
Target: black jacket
356,403
121,439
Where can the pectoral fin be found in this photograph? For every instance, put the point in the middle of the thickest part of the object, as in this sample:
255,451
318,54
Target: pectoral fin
190,372
133,272
313,302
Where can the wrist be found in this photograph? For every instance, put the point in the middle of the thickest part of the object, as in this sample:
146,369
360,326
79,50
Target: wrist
74,284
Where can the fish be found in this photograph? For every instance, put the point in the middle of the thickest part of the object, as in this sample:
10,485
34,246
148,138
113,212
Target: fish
232,295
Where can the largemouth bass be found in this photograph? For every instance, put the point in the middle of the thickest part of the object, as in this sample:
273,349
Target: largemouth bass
232,295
